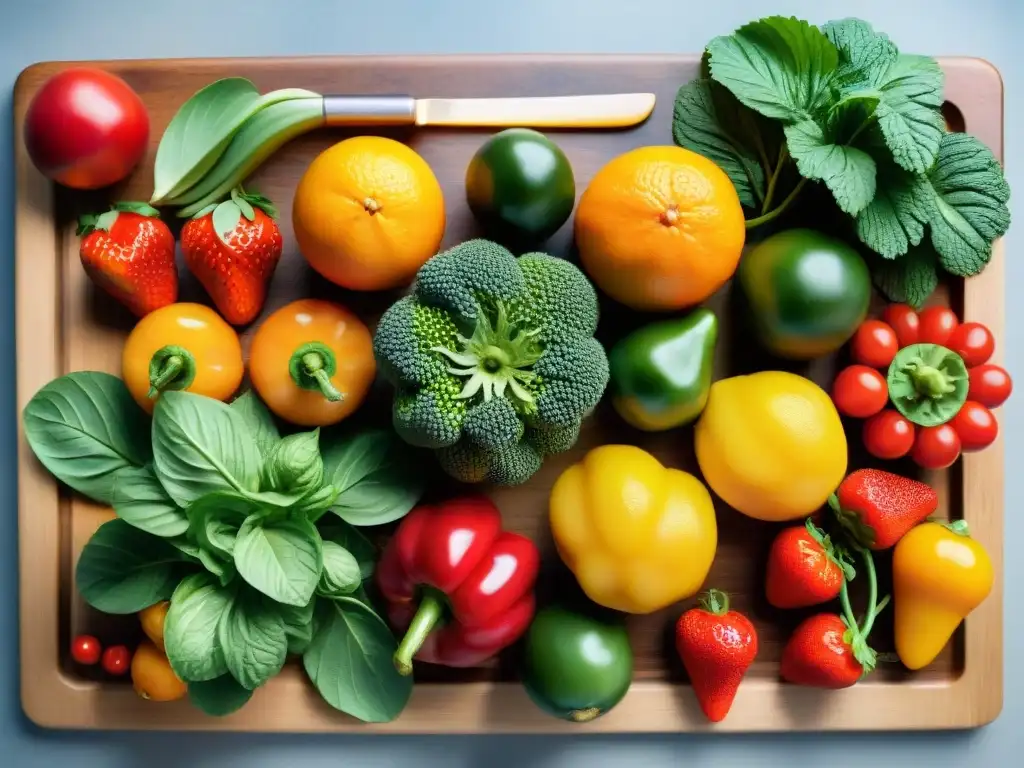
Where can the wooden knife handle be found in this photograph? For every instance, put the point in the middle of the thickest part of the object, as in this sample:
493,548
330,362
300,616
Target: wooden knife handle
369,110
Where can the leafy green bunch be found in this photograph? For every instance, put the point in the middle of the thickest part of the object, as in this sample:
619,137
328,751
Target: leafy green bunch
251,535
781,104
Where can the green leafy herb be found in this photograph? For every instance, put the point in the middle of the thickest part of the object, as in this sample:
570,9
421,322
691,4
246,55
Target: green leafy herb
281,558
252,634
258,419
909,280
350,663
896,218
216,519
349,537
298,625
218,565
191,636
123,569
218,697
341,574
201,445
140,500
376,479
848,172
84,427
294,464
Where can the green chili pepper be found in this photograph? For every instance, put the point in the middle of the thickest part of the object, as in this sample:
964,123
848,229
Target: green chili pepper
661,373
928,383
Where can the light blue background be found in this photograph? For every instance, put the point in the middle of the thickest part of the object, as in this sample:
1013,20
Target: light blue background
37,30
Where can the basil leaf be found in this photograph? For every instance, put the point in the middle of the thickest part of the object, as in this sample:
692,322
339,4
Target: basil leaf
188,548
298,625
201,445
376,478
313,506
220,567
349,537
191,639
258,418
140,500
123,569
252,634
341,574
216,519
280,558
84,427
190,584
218,697
294,464
350,662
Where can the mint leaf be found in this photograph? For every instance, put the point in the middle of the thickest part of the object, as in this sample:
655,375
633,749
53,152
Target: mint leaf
895,218
847,171
863,53
910,279
971,204
778,66
698,126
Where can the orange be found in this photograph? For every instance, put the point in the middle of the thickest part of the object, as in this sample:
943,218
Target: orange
367,213
660,228
152,676
152,620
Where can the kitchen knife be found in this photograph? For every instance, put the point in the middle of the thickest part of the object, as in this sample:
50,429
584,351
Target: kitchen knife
612,110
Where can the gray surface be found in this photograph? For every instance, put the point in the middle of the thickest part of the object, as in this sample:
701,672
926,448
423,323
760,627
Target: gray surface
74,29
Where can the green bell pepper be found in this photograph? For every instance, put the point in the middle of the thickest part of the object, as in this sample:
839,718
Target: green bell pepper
661,373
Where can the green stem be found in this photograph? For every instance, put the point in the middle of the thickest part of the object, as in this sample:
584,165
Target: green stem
311,367
773,180
170,367
844,601
427,615
751,223
715,601
872,612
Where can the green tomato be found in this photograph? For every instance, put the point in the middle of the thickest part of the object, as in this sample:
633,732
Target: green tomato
805,292
576,667
520,186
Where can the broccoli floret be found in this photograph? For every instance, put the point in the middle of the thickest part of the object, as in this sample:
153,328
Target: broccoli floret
493,360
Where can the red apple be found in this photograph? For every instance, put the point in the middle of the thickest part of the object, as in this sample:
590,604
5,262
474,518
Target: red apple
86,128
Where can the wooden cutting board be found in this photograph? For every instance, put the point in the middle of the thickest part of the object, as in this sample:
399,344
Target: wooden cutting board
64,324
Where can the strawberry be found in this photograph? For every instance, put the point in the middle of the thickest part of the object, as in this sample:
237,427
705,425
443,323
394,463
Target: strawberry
804,568
233,248
129,252
716,646
877,508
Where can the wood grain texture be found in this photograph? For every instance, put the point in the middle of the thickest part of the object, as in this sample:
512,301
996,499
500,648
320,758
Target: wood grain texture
64,324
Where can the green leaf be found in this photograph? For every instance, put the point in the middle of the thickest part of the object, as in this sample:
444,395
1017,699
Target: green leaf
123,569
216,519
201,445
140,500
282,558
225,219
697,126
186,545
377,480
294,464
252,634
313,506
350,662
864,54
895,218
341,574
218,697
910,279
191,583
219,566
298,625
971,204
848,172
84,427
349,537
258,419
778,66
191,638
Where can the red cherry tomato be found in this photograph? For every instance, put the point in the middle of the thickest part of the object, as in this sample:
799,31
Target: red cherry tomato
859,391
936,325
975,426
874,344
888,435
117,659
905,323
86,650
86,128
990,385
936,447
973,342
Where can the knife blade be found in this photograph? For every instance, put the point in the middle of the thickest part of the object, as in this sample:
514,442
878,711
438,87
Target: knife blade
609,110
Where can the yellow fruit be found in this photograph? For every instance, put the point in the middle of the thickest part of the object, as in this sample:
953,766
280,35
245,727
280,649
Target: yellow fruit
771,445
368,213
152,676
152,620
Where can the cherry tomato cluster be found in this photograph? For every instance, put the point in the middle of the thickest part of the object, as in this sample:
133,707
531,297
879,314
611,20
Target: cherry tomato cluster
862,391
87,650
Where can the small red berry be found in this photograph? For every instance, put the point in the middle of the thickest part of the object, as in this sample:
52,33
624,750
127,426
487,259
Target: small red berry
117,660
86,650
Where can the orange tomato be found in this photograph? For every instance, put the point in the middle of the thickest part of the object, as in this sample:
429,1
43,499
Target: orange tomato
182,346
312,362
367,213
660,228
152,620
152,676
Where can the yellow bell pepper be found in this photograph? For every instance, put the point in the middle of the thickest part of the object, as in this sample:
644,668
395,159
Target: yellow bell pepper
637,535
940,574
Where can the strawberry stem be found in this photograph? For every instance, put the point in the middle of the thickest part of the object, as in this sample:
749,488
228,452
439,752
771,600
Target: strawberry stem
170,368
715,601
311,367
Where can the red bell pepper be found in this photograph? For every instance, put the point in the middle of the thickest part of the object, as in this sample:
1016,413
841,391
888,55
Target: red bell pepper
460,586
